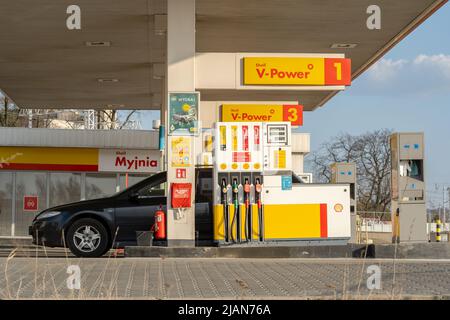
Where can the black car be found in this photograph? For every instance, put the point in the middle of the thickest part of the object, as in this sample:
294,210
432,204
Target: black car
90,228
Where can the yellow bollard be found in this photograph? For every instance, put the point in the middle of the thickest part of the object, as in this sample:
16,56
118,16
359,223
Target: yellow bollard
438,230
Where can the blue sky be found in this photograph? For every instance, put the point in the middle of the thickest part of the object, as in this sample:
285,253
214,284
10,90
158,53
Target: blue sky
408,90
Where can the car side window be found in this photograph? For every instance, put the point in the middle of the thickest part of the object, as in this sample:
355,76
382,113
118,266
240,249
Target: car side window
152,191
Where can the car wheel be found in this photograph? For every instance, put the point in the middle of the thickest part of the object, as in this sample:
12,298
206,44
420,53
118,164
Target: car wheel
87,238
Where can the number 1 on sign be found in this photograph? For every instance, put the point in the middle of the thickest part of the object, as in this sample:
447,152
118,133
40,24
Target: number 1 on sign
338,67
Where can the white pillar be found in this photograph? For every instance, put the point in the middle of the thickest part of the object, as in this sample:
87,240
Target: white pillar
180,78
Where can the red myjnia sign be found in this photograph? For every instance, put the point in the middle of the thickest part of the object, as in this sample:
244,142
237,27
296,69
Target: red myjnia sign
262,113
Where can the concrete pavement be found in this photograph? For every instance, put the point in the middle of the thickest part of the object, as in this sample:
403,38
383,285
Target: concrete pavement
203,278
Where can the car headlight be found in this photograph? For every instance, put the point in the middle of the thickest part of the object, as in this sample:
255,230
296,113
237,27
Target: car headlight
48,214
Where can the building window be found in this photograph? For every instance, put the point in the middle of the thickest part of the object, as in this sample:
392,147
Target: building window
6,193
64,188
29,185
100,185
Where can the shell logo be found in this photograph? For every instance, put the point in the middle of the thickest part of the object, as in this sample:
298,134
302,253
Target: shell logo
338,207
246,166
223,166
234,166
257,166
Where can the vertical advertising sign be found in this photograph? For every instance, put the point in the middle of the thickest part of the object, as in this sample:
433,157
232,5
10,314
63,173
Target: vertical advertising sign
234,137
257,142
223,138
184,113
245,138
181,155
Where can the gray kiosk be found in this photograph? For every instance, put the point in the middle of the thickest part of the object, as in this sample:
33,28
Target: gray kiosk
408,206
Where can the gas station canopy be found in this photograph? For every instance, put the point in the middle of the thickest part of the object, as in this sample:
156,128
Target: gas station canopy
118,58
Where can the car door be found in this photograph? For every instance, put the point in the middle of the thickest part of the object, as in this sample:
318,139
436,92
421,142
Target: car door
135,210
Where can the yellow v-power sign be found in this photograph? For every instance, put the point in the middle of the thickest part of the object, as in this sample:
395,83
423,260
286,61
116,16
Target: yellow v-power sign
297,71
262,113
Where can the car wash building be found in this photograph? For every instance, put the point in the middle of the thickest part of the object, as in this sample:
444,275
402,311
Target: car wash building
42,168
252,67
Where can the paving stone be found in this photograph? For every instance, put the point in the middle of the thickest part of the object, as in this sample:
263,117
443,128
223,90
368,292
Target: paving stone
213,278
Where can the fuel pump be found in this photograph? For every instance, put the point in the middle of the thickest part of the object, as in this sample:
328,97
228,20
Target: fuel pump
238,160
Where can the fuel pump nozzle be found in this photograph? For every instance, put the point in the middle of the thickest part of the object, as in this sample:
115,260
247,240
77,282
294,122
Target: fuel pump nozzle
235,198
258,190
224,199
247,190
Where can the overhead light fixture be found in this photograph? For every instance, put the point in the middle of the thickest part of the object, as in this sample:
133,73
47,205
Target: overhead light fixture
101,80
98,43
160,24
343,45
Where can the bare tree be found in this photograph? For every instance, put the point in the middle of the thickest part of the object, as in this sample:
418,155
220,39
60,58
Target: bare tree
109,119
40,118
10,113
13,116
371,154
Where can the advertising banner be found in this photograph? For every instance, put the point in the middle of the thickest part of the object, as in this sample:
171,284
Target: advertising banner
181,155
184,113
297,71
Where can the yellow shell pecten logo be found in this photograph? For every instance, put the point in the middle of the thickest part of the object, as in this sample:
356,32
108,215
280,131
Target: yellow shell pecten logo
257,166
246,166
223,166
234,166
338,207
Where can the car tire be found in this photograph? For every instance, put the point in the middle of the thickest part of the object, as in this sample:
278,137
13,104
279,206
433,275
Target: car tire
88,238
